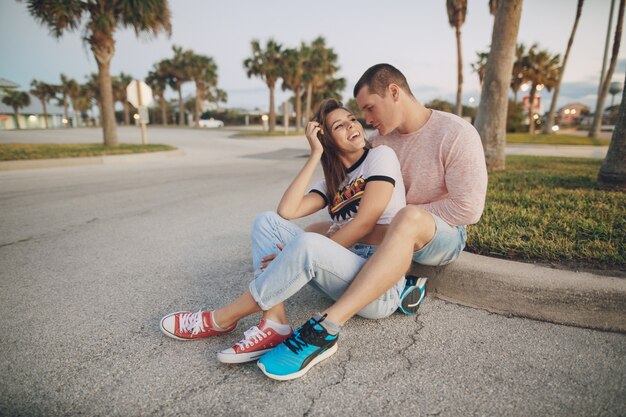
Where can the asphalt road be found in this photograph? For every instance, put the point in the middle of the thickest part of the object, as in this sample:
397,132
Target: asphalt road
92,257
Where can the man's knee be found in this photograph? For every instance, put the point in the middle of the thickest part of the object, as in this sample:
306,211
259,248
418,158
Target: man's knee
411,219
416,223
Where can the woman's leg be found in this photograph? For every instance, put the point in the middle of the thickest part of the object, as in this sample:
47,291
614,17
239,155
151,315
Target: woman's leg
312,258
268,231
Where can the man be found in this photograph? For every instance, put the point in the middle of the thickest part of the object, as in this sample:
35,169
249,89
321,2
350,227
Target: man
445,176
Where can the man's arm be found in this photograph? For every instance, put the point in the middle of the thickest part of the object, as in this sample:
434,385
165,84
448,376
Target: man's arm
465,179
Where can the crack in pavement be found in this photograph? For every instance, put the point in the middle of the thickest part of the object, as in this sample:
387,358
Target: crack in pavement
342,364
17,241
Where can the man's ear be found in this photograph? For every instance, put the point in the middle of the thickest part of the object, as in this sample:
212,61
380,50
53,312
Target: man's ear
394,90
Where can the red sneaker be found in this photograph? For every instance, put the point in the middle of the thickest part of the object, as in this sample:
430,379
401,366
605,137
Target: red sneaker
185,325
257,341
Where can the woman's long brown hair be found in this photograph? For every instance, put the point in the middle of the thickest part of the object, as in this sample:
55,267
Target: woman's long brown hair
334,171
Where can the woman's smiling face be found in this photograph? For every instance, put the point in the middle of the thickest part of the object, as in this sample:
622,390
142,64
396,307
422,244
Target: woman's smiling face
345,130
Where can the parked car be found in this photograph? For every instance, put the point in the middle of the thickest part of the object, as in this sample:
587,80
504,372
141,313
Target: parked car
211,123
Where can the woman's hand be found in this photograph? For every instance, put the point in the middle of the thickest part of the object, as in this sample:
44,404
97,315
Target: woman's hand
269,258
312,130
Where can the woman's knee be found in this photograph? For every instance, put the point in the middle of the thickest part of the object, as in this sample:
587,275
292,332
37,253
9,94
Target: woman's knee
265,219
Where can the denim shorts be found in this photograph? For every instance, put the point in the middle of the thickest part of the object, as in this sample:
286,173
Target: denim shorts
363,250
444,247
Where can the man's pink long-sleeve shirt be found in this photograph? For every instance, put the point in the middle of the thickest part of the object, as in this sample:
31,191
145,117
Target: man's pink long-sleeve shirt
443,167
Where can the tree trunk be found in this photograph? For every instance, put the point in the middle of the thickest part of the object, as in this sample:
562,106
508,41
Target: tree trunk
196,113
547,128
163,110
17,117
531,111
75,124
103,52
594,132
181,107
491,116
126,111
309,99
459,59
613,169
45,113
272,109
298,95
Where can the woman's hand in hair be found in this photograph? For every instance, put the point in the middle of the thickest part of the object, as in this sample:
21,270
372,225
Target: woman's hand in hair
313,129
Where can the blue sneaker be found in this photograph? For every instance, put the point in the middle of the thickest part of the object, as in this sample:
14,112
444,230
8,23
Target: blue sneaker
412,294
309,345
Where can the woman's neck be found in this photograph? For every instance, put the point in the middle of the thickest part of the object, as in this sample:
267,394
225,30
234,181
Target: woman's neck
349,159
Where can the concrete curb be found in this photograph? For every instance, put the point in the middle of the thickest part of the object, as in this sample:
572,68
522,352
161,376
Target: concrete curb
90,160
513,288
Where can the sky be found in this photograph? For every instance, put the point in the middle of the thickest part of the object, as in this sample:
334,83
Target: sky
413,35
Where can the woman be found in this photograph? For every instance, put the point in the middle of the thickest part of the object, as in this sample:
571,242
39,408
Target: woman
363,190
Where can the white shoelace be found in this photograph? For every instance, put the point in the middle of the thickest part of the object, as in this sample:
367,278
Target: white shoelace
252,335
191,322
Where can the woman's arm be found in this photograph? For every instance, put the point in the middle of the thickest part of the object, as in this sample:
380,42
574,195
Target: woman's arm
295,203
373,203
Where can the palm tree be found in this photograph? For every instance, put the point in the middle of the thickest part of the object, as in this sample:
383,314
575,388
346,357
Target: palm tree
547,128
17,100
64,90
218,96
293,77
119,94
104,16
613,169
267,65
87,94
520,69
157,81
320,68
74,92
594,132
177,72
203,72
457,9
543,70
479,66
44,92
491,118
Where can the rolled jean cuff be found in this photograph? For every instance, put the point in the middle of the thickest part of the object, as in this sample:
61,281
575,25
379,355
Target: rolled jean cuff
257,297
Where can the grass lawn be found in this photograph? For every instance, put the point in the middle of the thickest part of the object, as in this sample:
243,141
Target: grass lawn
564,139
550,210
17,151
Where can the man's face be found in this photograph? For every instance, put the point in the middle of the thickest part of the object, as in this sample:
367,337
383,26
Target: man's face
378,111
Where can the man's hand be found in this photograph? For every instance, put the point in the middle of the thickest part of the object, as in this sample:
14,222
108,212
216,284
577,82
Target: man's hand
269,258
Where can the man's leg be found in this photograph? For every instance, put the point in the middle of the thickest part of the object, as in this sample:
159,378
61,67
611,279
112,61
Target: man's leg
410,230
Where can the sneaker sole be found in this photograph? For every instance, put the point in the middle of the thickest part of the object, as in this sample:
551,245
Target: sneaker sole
241,357
411,302
303,371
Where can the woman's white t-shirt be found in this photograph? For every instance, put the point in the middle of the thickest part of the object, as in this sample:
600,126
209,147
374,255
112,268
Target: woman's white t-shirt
377,164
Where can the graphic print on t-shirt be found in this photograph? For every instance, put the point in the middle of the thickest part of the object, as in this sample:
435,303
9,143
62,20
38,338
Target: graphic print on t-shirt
346,201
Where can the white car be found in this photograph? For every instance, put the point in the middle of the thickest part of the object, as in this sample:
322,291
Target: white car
211,123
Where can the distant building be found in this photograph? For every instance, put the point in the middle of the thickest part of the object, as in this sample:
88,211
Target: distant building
31,116
572,114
